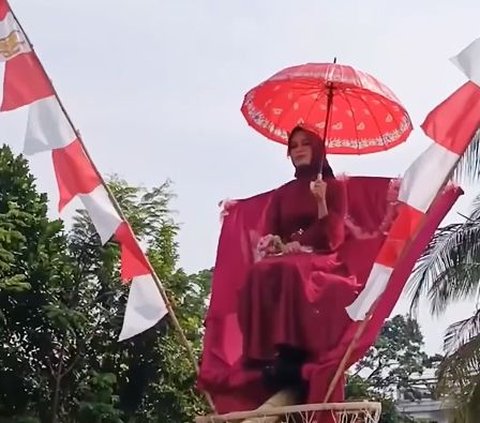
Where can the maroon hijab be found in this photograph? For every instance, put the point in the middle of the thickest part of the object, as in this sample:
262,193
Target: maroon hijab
319,163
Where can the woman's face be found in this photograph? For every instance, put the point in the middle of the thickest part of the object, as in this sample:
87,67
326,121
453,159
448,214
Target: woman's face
300,149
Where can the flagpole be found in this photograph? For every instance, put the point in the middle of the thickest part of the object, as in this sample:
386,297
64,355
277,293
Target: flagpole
348,353
119,210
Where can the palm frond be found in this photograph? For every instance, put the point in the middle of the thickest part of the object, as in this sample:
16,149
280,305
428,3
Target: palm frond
461,333
467,412
468,167
459,380
449,268
457,283
429,264
475,211
458,369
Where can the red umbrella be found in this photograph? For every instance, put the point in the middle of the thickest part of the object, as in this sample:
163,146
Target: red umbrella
352,110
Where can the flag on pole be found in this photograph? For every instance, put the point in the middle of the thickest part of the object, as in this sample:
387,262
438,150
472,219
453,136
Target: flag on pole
18,64
468,61
452,126
48,129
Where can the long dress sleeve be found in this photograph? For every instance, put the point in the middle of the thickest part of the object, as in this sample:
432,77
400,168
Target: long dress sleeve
328,233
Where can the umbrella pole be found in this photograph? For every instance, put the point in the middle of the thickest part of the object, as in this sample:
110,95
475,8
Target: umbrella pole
329,115
329,110
327,123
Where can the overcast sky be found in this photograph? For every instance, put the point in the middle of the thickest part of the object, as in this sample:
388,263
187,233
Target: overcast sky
155,87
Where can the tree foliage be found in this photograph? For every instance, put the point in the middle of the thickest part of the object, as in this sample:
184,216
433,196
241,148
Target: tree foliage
62,305
449,272
389,368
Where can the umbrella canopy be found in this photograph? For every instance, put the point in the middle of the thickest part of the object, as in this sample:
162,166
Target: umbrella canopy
352,110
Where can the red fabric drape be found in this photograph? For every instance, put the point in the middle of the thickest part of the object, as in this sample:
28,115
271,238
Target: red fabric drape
221,371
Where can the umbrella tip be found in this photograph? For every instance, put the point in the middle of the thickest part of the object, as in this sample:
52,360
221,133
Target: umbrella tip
334,60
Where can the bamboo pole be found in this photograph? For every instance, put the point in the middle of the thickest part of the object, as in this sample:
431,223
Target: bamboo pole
372,409
266,413
282,398
348,353
119,210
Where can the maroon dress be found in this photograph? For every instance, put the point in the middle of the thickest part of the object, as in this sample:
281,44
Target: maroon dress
293,299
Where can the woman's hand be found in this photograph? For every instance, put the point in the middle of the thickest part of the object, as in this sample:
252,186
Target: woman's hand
319,190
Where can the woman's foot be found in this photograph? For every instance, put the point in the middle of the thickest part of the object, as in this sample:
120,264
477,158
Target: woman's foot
291,354
282,374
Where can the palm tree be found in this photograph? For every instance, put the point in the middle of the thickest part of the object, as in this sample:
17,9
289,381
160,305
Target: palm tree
447,272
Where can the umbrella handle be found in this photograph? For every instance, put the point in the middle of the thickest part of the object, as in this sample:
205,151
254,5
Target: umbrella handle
320,172
321,212
319,178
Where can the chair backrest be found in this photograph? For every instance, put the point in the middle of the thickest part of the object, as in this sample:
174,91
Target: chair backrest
371,209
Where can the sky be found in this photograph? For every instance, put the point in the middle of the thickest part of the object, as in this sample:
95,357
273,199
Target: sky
155,87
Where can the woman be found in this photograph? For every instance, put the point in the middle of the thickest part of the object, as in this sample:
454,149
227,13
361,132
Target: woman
293,292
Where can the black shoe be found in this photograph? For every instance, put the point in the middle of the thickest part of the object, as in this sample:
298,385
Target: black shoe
282,374
291,354
270,377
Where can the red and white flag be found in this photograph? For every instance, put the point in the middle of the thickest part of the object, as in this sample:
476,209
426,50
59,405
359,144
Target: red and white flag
18,63
25,83
452,125
468,61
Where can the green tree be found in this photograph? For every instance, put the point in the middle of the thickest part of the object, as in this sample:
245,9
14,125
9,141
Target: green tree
154,378
389,366
33,270
449,272
61,310
98,402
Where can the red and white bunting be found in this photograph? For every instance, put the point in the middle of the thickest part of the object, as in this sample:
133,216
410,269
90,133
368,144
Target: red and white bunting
47,127
468,61
19,64
452,126
48,130
103,214
145,307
